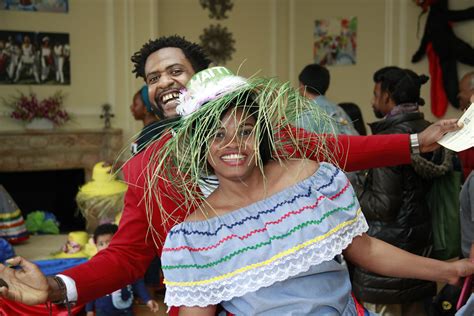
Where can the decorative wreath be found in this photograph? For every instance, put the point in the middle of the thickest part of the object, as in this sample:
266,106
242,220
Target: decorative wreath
217,8
218,43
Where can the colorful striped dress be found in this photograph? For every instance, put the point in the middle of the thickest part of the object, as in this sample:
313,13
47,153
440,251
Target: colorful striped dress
278,256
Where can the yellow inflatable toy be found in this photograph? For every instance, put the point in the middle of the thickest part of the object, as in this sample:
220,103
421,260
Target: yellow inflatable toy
101,199
77,246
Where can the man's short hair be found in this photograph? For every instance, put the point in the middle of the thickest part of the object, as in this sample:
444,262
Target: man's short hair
316,78
403,85
104,229
193,52
378,75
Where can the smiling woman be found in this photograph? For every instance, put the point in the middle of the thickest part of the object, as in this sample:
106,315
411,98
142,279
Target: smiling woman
230,128
231,152
216,93
233,145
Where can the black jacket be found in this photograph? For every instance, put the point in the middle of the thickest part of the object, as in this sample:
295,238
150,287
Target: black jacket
393,200
150,133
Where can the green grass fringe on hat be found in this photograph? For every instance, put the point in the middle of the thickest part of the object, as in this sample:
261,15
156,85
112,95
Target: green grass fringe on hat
182,160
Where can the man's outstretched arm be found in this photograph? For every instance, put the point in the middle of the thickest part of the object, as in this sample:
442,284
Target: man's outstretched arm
354,153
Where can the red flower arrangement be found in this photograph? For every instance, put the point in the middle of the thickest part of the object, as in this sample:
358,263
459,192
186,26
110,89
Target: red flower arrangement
28,107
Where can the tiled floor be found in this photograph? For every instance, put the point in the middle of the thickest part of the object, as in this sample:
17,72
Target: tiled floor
42,246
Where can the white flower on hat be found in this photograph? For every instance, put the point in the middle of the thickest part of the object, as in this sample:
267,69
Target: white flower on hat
207,85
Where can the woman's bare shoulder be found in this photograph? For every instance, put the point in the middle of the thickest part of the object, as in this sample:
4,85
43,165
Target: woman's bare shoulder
292,171
199,213
204,211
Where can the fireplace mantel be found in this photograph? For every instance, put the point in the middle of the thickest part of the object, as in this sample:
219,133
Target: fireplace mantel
58,149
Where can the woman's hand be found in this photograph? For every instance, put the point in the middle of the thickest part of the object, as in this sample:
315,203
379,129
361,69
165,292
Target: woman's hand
461,268
25,284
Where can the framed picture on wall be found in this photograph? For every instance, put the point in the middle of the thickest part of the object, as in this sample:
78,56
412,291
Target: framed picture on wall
57,6
34,58
335,41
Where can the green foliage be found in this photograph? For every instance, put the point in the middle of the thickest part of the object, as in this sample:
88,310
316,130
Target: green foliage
36,222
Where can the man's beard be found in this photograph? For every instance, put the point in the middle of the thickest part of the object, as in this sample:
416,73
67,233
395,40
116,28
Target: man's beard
378,114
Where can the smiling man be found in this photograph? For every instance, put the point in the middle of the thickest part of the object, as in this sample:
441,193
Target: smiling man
167,71
167,64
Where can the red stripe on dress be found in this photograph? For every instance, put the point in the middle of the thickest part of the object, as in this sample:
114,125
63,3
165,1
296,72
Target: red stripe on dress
260,230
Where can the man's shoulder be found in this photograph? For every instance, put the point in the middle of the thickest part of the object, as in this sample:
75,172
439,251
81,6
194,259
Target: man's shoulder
151,133
411,123
134,168
322,100
332,109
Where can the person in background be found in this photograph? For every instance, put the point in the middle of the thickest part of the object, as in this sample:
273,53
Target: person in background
466,92
467,221
467,217
467,232
393,199
142,111
118,302
314,82
354,112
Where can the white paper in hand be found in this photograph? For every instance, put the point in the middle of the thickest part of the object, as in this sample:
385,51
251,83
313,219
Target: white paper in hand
464,138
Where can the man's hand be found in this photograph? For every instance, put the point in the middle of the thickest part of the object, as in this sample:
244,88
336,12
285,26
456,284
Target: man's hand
432,134
153,306
27,284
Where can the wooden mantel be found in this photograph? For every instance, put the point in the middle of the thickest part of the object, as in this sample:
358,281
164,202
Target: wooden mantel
58,149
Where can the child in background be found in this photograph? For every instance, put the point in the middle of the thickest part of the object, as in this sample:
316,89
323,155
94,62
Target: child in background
467,232
120,301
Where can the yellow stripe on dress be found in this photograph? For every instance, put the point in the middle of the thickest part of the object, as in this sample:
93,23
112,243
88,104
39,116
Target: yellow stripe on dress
10,215
272,259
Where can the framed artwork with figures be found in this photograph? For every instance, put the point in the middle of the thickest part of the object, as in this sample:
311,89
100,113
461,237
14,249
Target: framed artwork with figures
34,58
56,6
